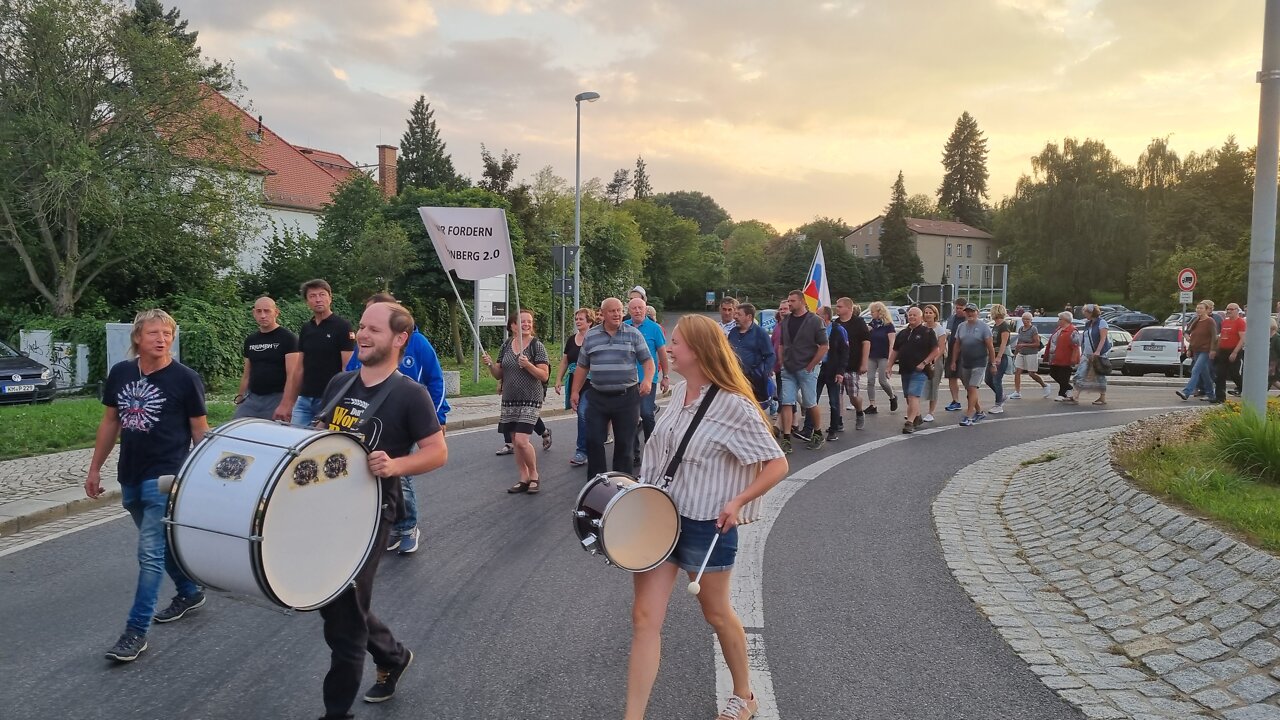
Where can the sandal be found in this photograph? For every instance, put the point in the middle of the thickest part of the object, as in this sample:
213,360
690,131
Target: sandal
532,487
519,488
1099,401
546,439
505,450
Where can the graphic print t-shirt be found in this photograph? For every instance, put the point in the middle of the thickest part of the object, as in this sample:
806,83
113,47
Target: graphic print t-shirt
405,416
155,417
265,353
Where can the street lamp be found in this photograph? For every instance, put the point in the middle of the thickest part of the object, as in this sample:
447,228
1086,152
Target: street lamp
577,196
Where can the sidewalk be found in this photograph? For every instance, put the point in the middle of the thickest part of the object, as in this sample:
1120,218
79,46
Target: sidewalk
35,490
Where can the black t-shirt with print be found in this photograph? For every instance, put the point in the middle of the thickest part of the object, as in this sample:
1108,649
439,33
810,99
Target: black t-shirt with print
265,353
405,416
322,345
155,417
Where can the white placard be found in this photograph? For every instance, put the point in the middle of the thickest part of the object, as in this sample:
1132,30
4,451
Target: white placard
1185,297
472,242
491,302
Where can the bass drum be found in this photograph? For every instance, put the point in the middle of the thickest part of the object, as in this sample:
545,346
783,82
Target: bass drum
634,525
283,513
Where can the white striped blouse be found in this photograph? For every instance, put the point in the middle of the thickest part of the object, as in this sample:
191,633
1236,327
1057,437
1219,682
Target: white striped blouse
723,456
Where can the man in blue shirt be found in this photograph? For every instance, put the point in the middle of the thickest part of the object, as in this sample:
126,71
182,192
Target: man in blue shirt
655,338
420,364
754,350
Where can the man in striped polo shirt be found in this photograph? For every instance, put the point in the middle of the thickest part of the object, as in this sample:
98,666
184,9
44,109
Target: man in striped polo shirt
611,352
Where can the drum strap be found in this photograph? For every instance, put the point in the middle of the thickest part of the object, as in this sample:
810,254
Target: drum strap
670,473
384,389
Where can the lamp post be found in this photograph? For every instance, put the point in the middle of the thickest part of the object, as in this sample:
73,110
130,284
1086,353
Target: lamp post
577,196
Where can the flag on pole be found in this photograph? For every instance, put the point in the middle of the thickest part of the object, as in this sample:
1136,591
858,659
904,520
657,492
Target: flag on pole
817,292
472,242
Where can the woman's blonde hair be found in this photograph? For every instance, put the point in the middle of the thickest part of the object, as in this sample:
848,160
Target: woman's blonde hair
934,309
716,359
880,312
999,311
593,318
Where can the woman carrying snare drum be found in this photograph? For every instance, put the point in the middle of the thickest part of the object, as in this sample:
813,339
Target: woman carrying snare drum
731,461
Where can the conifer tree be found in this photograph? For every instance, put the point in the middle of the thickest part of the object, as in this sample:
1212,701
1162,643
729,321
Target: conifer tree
964,183
424,161
640,187
897,249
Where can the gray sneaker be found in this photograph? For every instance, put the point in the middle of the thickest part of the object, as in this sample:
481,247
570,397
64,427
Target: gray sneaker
179,606
128,647
815,440
859,422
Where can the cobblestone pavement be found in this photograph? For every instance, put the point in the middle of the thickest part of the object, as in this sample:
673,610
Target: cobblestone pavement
39,489
1123,606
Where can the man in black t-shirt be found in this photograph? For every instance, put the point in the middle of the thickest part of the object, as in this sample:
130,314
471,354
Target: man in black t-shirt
271,357
392,415
326,343
847,317
916,348
155,405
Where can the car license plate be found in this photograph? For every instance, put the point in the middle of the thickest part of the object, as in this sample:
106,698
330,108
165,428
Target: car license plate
1152,348
19,388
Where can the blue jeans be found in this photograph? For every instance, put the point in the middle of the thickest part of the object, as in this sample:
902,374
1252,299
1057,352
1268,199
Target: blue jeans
408,518
1201,375
648,415
146,505
581,447
305,409
995,380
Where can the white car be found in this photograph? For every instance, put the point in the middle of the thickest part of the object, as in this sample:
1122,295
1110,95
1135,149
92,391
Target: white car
1156,349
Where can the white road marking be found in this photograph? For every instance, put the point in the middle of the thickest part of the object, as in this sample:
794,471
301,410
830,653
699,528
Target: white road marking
747,590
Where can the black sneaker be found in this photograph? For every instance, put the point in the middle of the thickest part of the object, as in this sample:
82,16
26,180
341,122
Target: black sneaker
179,607
871,410
385,687
893,404
128,647
833,434
805,434
908,428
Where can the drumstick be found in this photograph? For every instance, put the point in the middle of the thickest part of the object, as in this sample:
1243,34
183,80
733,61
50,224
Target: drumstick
694,587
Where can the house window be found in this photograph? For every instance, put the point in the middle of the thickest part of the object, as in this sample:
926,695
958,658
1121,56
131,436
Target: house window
988,252
948,249
866,249
968,251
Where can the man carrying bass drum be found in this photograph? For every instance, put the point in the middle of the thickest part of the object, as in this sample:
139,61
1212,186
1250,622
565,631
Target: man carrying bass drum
391,414
731,461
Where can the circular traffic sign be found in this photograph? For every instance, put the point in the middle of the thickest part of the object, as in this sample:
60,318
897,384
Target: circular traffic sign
1187,279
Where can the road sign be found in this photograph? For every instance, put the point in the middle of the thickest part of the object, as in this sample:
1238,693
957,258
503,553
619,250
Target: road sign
1187,279
563,287
491,301
711,299
1185,297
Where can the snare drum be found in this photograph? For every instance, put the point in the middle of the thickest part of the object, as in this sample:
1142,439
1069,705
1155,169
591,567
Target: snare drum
634,525
283,513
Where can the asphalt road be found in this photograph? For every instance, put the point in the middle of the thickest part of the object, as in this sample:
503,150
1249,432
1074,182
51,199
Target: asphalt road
509,619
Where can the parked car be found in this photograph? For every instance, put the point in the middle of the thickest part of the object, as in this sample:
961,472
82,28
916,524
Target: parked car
1120,342
1114,307
1156,349
23,380
1132,321
1179,319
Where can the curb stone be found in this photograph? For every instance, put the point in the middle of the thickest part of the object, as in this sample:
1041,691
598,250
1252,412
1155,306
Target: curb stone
1123,606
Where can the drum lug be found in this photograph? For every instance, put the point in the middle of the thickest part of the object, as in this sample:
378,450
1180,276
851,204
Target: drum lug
589,541
596,523
579,513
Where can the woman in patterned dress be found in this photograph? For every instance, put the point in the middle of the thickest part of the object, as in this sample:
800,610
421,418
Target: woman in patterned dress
523,368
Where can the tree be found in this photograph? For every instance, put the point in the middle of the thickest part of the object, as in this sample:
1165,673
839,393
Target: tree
696,206
617,188
357,200
640,186
498,172
902,265
107,139
747,272
923,206
424,160
964,182
671,248
383,254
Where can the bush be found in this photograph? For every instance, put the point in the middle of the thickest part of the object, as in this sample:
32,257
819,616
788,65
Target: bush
1248,443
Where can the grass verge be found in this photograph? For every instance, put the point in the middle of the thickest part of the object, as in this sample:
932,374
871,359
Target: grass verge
65,424
1199,473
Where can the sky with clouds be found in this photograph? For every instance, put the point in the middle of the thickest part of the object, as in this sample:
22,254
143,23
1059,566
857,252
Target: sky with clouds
780,110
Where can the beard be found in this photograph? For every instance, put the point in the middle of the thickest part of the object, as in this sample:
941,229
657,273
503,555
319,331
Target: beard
376,355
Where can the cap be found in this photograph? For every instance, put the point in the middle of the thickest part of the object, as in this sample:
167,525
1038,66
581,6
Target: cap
970,306
640,289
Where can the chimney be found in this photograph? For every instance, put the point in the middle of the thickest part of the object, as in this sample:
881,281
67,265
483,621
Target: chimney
387,170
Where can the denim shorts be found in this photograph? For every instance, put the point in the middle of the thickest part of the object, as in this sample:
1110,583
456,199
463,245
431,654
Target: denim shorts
913,382
695,538
799,385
